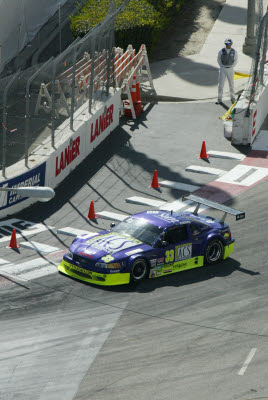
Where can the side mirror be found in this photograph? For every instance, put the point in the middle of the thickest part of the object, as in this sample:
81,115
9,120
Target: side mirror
112,225
162,243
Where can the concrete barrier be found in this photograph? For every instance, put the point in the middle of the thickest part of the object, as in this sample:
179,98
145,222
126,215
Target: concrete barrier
49,166
247,120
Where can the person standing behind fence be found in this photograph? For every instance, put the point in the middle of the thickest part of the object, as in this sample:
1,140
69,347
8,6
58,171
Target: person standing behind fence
227,60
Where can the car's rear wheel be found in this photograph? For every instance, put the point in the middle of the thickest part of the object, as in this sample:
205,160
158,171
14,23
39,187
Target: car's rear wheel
214,252
139,270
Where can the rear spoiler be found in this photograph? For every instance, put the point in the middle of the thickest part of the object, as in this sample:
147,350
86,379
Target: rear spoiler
212,204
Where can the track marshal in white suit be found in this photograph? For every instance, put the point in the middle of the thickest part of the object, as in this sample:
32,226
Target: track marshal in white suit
227,60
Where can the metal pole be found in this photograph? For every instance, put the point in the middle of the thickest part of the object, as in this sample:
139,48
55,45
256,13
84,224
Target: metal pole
92,51
73,90
248,47
27,108
111,56
53,105
60,27
5,122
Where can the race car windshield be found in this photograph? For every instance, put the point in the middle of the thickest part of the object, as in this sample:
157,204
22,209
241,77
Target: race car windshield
139,229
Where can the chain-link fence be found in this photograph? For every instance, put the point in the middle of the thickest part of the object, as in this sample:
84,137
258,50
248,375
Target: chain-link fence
36,101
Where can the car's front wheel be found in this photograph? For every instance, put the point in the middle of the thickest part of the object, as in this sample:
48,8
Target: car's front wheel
139,270
214,252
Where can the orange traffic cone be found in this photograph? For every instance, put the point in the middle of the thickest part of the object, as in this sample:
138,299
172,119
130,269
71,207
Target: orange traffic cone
13,241
91,212
203,152
138,93
155,183
133,90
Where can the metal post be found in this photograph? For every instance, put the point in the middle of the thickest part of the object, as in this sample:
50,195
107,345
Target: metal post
92,51
27,108
53,105
60,27
5,121
73,90
248,47
110,58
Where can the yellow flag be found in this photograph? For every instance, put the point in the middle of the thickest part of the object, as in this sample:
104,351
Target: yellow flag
228,113
239,75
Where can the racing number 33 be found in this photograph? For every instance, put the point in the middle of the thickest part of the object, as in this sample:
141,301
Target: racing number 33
169,256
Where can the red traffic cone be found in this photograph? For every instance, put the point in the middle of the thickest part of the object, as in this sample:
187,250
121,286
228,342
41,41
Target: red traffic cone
91,212
138,92
133,90
155,183
13,241
203,152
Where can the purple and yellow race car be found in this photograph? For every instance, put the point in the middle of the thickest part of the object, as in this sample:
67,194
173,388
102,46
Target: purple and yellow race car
151,244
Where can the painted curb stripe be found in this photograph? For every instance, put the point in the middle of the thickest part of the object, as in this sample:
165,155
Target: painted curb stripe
205,170
179,186
224,154
69,231
145,202
112,216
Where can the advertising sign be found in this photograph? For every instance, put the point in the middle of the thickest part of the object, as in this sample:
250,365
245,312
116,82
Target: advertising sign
34,177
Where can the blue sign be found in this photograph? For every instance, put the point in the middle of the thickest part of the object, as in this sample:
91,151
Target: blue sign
34,177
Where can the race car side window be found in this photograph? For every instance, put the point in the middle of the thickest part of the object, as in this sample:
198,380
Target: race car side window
197,228
176,234
194,229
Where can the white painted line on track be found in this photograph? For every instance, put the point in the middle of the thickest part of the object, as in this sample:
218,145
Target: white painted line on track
24,267
145,201
112,216
224,154
246,363
244,175
40,247
179,186
205,170
177,205
69,231
38,273
201,208
26,227
2,261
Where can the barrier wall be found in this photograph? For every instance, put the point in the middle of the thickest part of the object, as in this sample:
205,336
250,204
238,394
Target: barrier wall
52,167
246,125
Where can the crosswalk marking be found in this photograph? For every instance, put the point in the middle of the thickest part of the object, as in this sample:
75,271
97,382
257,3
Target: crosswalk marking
112,216
40,247
205,170
69,231
244,175
145,201
179,186
224,154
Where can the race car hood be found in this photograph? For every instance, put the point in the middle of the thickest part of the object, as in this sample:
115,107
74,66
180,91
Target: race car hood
115,245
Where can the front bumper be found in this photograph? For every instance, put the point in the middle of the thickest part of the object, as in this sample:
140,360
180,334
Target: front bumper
93,277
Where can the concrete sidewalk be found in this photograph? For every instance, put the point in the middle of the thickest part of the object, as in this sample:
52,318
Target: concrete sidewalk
196,76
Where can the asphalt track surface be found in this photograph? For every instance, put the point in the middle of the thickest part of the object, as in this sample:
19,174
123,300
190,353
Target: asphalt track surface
196,334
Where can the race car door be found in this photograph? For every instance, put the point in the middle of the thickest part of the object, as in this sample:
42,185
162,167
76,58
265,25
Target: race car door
180,253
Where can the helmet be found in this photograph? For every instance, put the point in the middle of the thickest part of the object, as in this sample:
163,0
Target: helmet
228,41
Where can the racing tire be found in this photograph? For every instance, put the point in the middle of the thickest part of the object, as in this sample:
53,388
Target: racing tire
213,252
139,270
